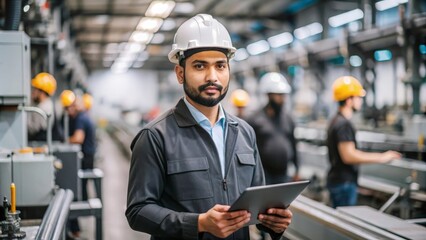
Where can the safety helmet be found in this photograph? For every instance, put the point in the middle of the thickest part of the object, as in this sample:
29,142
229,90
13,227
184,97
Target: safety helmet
200,31
45,82
240,98
346,87
67,98
274,82
87,101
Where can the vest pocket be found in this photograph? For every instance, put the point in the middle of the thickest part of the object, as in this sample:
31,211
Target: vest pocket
246,166
189,179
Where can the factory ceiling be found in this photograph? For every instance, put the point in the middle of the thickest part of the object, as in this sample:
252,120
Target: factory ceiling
102,29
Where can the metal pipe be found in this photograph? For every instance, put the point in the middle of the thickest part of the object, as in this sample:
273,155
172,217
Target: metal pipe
63,215
50,217
46,117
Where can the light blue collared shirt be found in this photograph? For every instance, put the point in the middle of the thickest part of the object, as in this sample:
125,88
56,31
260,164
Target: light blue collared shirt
217,132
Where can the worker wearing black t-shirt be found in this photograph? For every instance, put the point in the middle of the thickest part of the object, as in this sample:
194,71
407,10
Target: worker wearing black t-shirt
343,155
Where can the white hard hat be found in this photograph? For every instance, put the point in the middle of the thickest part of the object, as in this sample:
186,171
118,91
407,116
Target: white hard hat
201,31
274,82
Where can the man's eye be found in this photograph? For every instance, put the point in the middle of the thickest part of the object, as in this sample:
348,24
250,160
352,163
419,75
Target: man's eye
221,66
198,66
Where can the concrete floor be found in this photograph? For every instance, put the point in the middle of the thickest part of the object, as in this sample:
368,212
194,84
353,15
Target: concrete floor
114,191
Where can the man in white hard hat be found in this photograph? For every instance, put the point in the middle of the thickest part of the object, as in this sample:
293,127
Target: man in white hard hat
274,129
189,164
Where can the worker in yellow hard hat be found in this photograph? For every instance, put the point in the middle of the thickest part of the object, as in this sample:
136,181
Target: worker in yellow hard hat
87,101
343,155
43,87
81,131
240,99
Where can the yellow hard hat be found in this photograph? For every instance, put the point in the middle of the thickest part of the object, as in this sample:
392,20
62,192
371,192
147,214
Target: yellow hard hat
67,98
346,87
45,82
240,98
87,101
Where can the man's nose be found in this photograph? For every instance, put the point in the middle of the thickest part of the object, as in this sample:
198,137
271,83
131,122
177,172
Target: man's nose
212,75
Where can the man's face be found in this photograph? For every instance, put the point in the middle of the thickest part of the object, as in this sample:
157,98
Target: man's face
276,98
35,95
357,103
205,77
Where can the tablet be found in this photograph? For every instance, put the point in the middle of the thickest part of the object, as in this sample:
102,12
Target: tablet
260,198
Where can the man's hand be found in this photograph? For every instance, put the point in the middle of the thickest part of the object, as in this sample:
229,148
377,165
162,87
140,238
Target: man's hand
221,223
276,219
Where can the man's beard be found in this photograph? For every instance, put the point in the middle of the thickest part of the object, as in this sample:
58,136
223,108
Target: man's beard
276,107
196,96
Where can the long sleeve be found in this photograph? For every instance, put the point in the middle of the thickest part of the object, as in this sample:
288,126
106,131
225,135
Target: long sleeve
146,183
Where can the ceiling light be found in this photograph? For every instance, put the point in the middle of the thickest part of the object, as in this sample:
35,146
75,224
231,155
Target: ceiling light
184,7
387,4
141,37
355,61
280,39
160,9
168,24
149,24
101,19
111,48
347,17
382,55
308,30
134,47
138,64
158,38
258,47
241,54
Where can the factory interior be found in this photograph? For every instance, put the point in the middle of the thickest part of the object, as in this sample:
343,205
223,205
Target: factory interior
116,54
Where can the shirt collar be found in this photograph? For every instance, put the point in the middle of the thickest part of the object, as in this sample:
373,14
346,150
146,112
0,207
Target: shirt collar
200,117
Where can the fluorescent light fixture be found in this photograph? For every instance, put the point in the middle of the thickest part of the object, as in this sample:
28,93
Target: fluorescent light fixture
280,39
138,64
134,47
141,37
355,61
160,9
149,24
347,17
111,48
184,7
258,47
168,24
241,54
101,19
158,38
387,4
308,30
382,55
120,67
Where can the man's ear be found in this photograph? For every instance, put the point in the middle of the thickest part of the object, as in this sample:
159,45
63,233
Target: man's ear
179,73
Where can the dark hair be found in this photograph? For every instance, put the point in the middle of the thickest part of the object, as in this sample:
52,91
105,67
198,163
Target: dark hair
188,53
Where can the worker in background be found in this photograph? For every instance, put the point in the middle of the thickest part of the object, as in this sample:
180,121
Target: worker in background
43,88
81,131
274,129
189,164
87,101
240,99
342,151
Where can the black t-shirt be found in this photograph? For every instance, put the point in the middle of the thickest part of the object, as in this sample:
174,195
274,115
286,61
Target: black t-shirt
340,130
